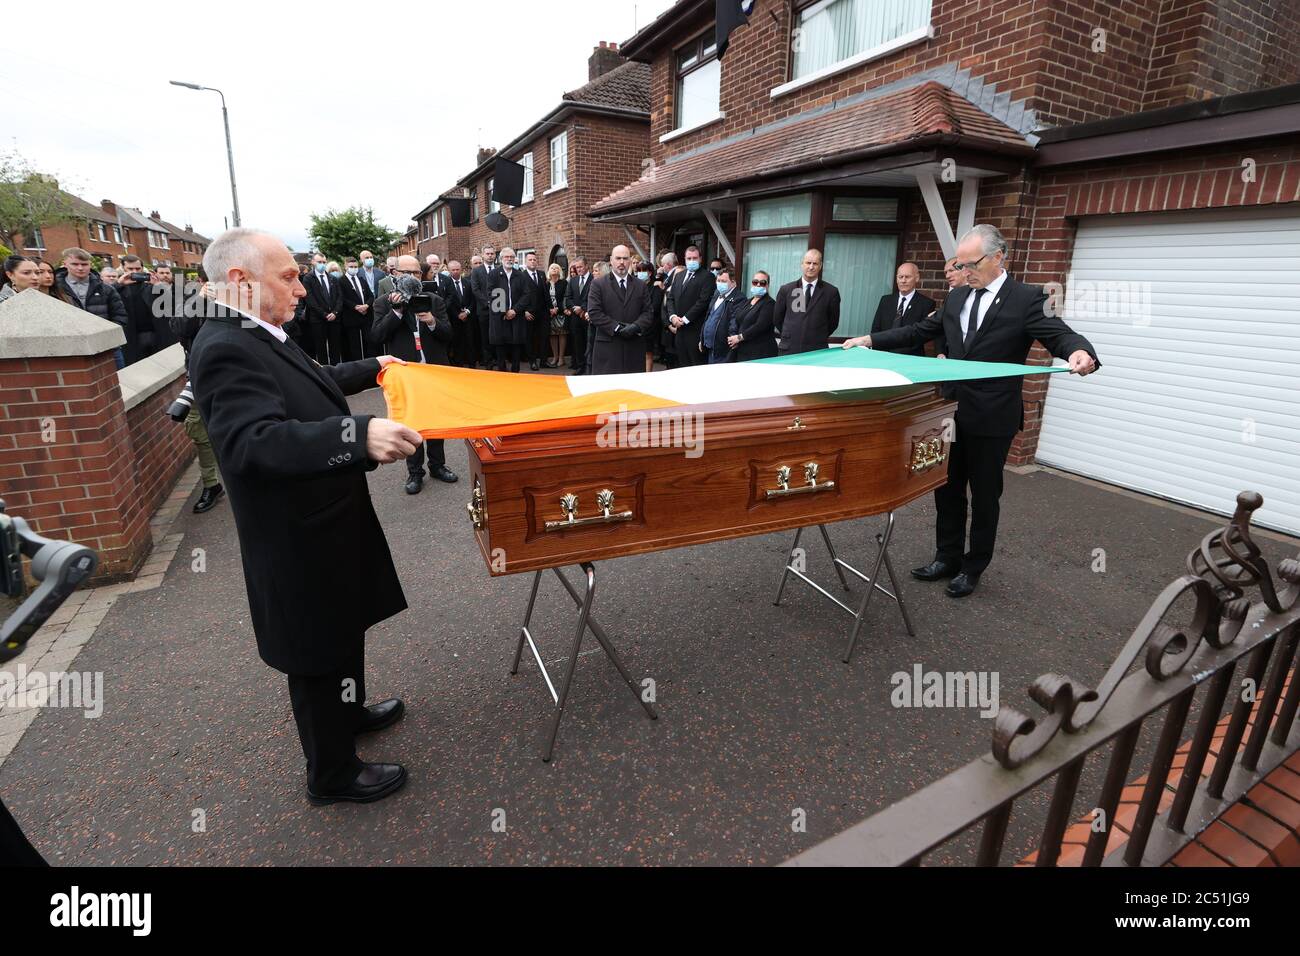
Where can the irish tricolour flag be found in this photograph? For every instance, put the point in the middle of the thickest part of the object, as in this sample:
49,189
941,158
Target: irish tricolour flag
441,401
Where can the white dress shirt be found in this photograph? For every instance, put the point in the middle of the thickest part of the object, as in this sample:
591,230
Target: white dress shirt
990,293
275,330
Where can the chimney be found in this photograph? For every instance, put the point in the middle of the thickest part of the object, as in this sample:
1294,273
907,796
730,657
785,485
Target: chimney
109,207
153,214
603,59
484,154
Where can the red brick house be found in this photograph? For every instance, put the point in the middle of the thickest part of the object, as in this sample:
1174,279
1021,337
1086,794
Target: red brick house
110,232
1141,149
596,139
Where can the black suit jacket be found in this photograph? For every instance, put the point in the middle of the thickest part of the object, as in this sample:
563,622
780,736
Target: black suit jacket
350,317
395,331
754,322
628,312
318,303
480,283
992,407
918,307
805,327
293,458
503,331
576,298
462,298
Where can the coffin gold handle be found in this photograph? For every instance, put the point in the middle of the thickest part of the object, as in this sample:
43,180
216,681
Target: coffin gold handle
810,482
477,507
604,501
926,453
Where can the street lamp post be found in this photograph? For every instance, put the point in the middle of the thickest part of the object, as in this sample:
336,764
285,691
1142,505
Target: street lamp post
230,153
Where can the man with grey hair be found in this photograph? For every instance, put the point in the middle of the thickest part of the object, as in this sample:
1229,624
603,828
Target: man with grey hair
995,319
294,458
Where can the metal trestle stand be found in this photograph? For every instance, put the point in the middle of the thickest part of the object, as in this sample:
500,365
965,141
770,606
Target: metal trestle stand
585,621
840,565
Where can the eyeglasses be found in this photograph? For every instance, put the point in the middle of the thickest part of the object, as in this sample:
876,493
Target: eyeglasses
759,281
968,266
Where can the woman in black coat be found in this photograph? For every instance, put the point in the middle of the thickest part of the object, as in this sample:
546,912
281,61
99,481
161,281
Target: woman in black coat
553,308
755,337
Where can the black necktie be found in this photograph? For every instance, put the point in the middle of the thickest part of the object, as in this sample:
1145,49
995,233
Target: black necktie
898,319
973,320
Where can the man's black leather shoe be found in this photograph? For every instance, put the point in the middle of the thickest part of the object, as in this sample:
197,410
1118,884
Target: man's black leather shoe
443,473
962,585
414,483
208,499
533,365
376,781
935,570
381,715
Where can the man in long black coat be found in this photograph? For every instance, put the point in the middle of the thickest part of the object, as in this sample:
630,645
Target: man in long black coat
294,459
510,297
619,307
997,320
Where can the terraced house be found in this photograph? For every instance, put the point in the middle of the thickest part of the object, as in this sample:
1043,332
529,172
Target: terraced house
1142,153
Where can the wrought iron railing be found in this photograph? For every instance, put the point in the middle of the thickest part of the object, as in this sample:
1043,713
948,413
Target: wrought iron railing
1225,628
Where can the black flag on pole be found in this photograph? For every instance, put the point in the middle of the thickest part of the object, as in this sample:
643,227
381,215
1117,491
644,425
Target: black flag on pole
459,210
508,183
729,14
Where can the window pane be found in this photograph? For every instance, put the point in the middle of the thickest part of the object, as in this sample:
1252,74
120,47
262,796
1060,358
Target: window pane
687,58
783,212
837,29
697,95
864,209
862,268
527,163
779,256
560,160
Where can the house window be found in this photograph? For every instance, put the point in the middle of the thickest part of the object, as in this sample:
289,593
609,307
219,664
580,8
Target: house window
699,75
527,163
473,204
117,234
493,205
99,232
560,160
859,234
162,241
828,32
35,242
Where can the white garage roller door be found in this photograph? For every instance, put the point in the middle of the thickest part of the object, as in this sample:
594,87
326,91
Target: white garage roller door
1196,319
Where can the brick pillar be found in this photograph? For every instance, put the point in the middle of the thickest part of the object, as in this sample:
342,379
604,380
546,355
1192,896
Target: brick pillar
65,449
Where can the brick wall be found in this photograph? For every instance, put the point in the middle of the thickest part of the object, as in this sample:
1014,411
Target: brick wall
77,465
1155,54
605,154
1206,48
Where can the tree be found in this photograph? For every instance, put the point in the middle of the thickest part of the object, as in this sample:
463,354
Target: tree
345,233
28,199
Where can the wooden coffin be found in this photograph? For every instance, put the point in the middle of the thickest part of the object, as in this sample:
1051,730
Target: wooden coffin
603,491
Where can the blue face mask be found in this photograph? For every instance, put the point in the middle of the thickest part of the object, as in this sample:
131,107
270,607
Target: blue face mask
335,273
692,265
724,287
643,276
320,267
353,270
757,290
716,272
368,263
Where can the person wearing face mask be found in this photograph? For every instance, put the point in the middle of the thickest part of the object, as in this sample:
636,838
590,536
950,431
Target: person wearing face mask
656,292
752,335
358,312
718,324
510,298
324,305
370,272
692,294
334,269
716,266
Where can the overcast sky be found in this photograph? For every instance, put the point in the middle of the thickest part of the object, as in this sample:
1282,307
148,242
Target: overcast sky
332,109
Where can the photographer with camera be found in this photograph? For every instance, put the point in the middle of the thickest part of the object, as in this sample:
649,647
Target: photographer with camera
411,323
139,291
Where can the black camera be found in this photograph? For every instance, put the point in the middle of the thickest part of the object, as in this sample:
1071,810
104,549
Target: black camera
179,410
59,566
